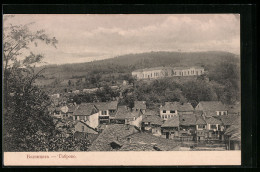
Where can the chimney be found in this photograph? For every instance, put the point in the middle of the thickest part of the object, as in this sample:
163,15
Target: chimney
129,140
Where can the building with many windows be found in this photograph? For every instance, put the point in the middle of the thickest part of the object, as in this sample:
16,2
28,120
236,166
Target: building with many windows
160,72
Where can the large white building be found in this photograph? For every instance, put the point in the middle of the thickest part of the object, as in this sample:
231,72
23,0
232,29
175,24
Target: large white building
159,72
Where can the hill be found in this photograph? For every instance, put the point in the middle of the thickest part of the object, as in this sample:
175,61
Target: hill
128,63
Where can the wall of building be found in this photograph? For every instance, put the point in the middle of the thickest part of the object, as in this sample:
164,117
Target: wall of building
168,114
80,127
137,122
93,120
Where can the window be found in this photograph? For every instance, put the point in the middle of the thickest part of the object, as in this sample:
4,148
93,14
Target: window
164,111
172,111
165,116
104,112
224,113
82,128
188,72
201,126
213,126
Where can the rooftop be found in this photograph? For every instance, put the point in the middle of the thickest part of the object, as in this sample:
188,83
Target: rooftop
139,105
113,132
172,122
106,105
85,109
200,120
177,106
147,142
212,106
153,119
230,119
187,120
213,120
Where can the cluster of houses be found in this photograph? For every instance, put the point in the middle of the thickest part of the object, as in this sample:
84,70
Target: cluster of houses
171,122
160,72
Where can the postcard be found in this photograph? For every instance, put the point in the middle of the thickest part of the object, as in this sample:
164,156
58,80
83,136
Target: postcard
121,89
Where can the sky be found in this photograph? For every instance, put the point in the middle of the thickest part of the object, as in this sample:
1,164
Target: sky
88,37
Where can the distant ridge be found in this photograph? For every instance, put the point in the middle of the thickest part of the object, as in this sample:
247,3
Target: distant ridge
129,62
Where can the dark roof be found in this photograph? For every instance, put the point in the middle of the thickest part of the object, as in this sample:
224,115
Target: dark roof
177,106
212,106
213,120
200,120
172,122
146,141
187,120
230,119
139,105
106,105
85,109
153,119
113,132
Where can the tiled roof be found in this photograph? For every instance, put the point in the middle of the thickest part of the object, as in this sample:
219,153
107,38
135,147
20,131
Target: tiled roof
153,119
212,106
234,131
139,105
200,120
230,119
85,109
187,120
111,133
106,105
146,141
149,112
172,122
213,120
177,106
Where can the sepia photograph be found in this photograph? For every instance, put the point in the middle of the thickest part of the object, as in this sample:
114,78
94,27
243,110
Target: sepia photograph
94,83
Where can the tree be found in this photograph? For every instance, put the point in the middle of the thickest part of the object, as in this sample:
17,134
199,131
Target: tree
27,125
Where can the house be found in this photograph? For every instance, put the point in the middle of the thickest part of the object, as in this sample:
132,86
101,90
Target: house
107,111
112,137
233,137
171,109
152,73
147,142
126,116
139,105
170,128
212,108
152,123
71,109
187,127
214,127
201,129
88,113
84,131
229,120
188,71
